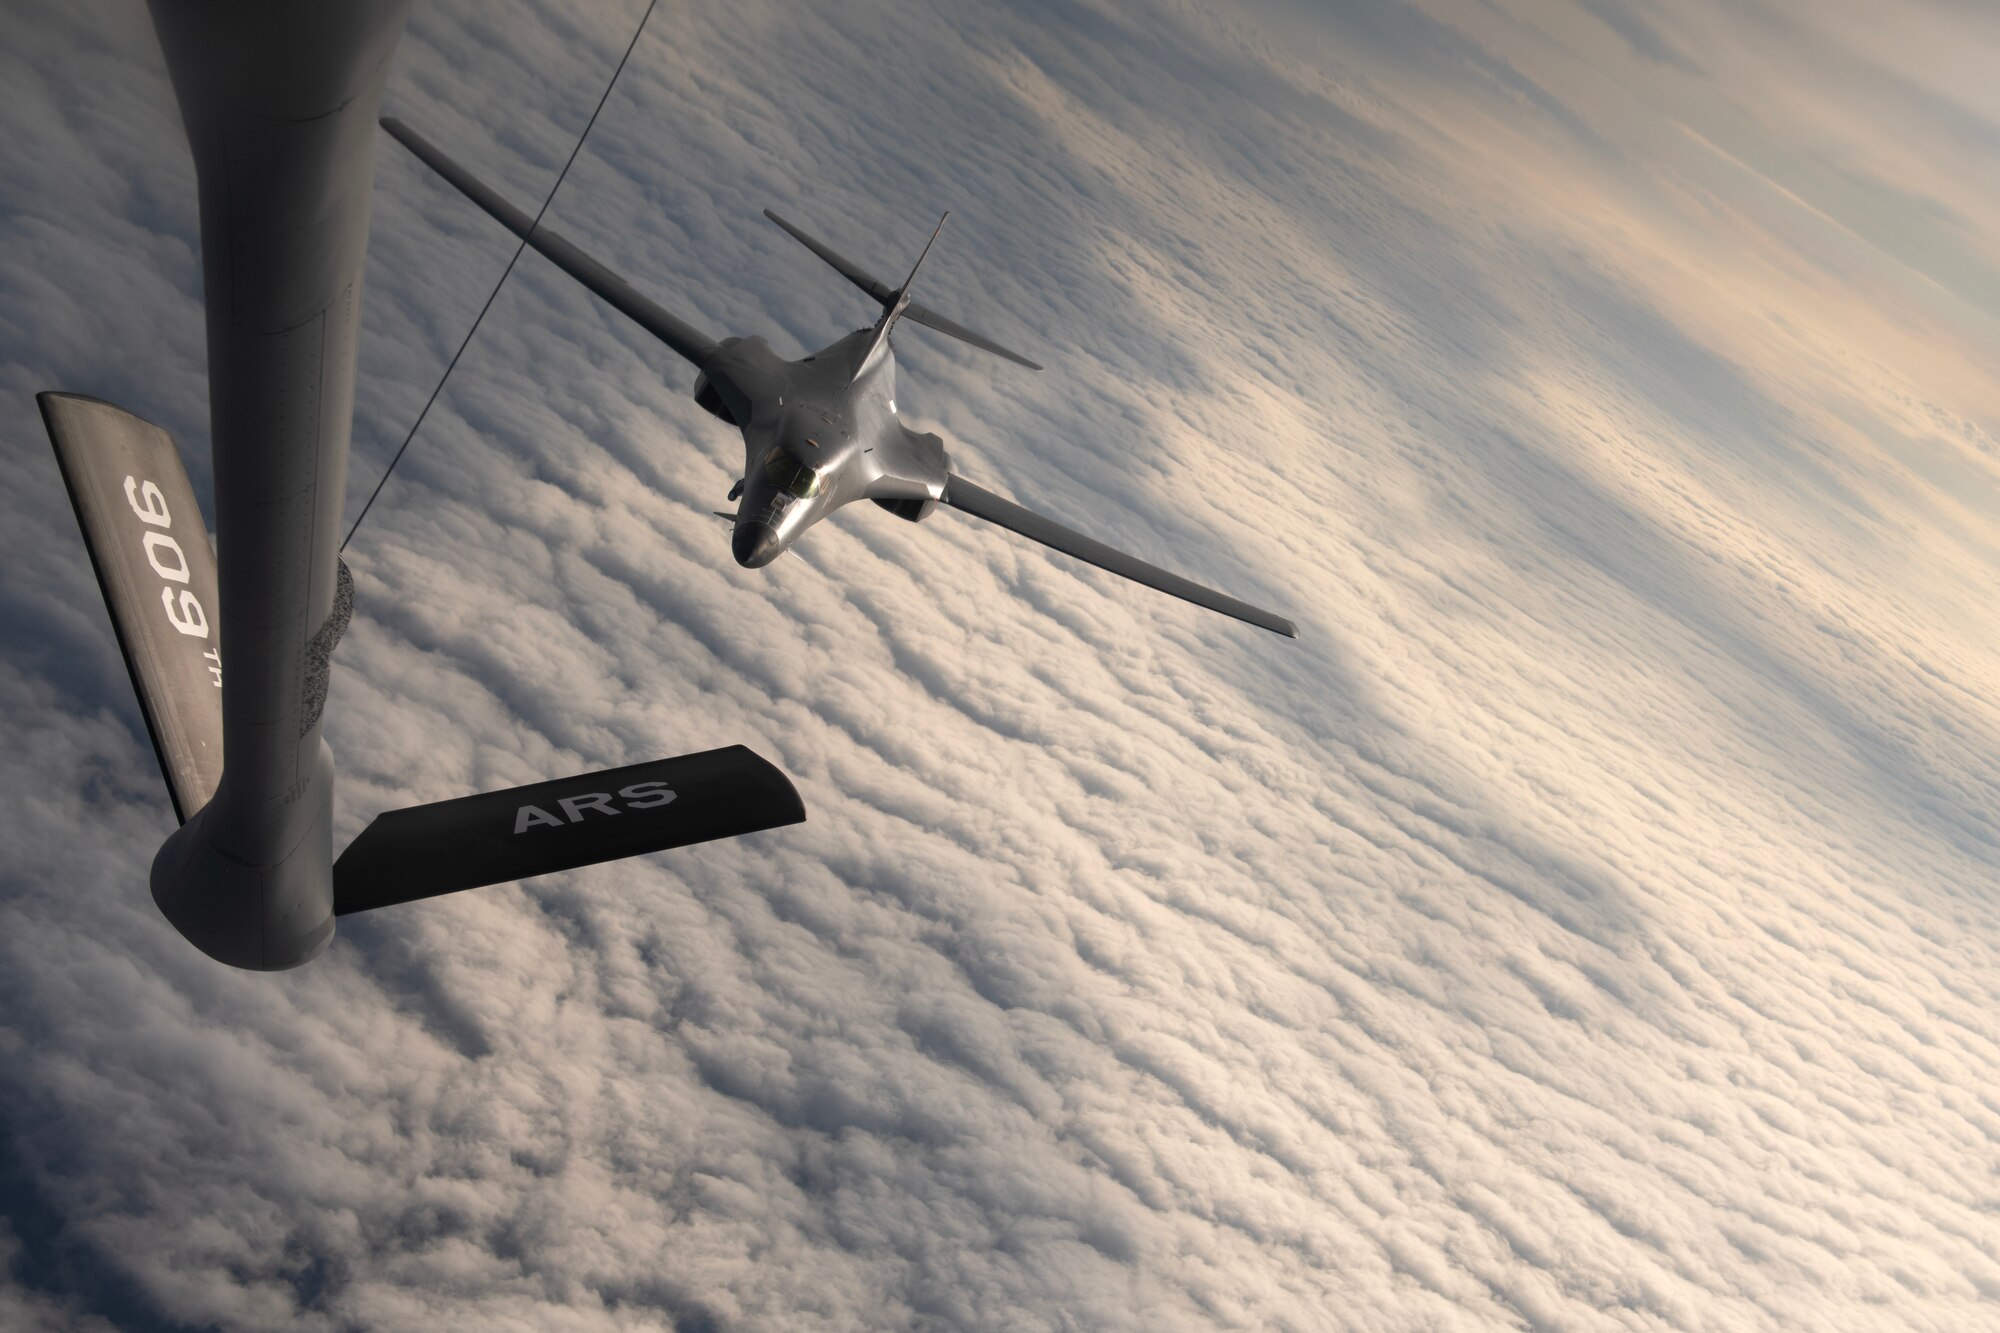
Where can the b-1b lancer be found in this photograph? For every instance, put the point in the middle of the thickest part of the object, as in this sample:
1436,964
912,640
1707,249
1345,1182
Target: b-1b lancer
823,432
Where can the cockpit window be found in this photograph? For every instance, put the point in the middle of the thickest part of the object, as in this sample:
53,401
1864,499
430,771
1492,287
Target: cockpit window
791,476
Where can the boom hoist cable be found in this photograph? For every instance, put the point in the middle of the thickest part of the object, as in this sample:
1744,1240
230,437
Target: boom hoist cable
508,271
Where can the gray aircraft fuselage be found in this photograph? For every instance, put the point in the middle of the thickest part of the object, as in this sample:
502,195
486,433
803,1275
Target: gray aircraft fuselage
817,435
279,102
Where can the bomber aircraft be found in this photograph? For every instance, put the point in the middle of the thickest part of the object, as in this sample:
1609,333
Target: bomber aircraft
822,432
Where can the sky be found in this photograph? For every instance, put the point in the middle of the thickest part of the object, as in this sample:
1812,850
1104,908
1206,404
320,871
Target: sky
1589,922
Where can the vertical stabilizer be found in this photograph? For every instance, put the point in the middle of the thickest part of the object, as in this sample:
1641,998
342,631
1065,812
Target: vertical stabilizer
893,309
151,552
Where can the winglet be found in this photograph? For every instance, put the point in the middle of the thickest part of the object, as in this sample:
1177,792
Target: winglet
497,836
149,546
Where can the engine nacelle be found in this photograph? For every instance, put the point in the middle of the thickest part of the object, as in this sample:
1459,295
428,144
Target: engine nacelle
915,510
709,399
735,365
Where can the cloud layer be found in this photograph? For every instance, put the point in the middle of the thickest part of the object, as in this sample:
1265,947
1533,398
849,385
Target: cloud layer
1588,923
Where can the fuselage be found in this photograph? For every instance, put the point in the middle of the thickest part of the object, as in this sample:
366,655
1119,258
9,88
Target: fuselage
817,435
279,102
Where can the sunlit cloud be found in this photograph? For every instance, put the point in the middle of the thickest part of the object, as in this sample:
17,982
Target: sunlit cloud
1588,922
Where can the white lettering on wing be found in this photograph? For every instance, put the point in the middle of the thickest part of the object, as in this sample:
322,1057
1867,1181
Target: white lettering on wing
638,796
164,553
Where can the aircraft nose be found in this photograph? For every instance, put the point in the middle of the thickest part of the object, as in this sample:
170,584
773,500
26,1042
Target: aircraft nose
755,544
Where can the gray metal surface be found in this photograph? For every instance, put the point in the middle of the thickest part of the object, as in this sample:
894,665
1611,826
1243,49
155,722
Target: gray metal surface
279,98
150,549
822,432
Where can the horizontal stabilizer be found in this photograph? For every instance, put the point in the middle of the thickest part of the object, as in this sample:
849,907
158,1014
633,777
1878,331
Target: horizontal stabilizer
881,291
962,494
544,827
669,328
887,296
151,552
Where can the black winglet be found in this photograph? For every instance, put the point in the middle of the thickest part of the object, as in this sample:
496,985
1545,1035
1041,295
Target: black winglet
149,546
499,836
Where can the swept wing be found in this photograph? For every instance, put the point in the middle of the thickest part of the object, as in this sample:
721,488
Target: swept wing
963,495
668,327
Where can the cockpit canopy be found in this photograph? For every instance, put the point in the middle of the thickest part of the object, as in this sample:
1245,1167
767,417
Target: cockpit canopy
790,475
